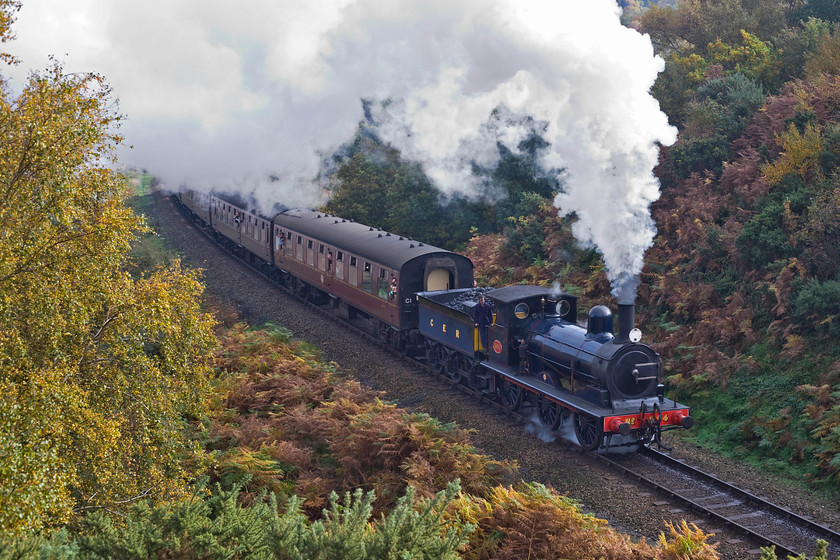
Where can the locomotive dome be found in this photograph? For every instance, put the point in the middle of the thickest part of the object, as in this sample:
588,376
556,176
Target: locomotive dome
600,321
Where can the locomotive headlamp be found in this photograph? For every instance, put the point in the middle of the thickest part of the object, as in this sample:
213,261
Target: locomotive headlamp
635,335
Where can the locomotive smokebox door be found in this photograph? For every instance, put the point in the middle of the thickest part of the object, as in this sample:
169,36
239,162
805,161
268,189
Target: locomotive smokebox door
635,374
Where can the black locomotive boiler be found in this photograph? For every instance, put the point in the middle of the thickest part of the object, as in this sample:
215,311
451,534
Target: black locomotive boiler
419,299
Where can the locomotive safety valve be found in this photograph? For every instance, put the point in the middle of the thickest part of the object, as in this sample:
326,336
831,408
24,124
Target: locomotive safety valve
623,428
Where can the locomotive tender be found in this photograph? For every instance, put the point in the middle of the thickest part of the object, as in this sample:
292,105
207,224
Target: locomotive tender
419,298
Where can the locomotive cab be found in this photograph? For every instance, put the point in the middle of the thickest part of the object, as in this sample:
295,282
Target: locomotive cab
515,306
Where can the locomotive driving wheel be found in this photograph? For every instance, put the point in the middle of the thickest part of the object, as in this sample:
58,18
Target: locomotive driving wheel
550,413
454,369
588,431
511,395
434,358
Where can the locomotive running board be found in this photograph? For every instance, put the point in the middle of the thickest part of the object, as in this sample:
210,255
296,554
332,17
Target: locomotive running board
560,397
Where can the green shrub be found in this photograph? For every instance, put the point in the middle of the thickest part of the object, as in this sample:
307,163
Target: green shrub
816,305
218,526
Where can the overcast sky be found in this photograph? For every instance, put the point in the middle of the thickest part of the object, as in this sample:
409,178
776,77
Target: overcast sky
221,93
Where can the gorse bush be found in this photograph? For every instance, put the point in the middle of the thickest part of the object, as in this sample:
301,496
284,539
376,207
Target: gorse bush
820,553
218,526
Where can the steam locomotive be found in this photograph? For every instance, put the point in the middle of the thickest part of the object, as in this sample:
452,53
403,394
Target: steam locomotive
420,299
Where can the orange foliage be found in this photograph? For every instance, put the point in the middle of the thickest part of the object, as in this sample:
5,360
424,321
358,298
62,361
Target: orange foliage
293,424
532,521
801,155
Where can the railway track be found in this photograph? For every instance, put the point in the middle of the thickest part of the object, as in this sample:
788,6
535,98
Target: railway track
717,506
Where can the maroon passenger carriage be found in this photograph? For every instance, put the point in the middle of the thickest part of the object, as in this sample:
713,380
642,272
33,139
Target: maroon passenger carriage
362,270
356,266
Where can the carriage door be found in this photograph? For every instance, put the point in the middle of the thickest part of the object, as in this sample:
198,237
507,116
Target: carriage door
438,280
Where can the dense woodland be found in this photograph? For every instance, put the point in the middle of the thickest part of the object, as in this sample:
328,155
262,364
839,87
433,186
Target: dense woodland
134,418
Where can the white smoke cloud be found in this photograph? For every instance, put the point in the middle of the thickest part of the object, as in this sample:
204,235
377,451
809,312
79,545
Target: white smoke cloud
224,95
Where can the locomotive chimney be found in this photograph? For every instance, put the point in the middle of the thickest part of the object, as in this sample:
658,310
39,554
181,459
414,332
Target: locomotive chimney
626,318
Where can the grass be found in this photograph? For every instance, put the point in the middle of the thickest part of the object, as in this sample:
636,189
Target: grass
760,417
151,250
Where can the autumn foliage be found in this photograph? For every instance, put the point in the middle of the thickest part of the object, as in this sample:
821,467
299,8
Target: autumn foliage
293,425
99,371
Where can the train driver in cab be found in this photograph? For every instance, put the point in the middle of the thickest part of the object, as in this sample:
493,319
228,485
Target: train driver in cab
483,318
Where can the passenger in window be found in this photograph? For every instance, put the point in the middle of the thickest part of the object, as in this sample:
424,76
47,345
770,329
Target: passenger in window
329,259
393,293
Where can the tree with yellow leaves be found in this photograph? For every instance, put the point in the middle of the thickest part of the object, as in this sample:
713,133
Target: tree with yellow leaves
99,371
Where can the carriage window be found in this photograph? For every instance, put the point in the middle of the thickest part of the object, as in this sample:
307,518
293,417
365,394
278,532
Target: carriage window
321,256
339,264
354,272
278,241
367,279
290,247
382,283
310,253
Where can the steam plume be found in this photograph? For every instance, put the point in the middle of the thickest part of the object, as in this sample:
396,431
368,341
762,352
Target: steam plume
255,97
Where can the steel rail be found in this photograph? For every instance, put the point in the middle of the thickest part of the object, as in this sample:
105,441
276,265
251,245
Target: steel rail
763,505
800,520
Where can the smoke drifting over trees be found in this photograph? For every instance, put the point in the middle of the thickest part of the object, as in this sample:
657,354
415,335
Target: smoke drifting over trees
228,99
